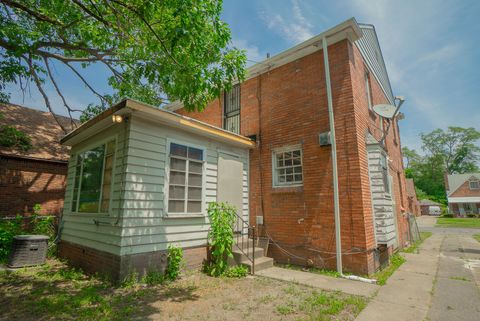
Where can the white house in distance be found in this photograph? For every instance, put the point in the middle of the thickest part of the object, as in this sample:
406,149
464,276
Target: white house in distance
463,193
139,179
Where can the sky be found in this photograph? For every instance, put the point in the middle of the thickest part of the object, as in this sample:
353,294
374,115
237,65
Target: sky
431,49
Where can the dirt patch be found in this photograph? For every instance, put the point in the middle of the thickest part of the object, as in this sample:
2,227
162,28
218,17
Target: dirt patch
54,292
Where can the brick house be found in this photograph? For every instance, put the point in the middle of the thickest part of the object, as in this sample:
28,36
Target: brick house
463,193
282,104
36,176
413,203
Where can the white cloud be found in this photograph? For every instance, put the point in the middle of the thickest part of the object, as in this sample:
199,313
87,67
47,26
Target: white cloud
293,27
253,53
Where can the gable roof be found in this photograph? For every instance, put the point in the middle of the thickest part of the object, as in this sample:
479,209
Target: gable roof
456,180
130,106
42,129
363,35
410,188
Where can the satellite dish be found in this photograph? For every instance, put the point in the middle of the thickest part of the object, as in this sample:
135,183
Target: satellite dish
385,110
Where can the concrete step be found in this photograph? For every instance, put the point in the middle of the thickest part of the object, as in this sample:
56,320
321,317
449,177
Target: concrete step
238,254
261,263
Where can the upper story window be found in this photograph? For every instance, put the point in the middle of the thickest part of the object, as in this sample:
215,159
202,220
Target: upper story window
385,176
231,110
93,179
185,183
474,184
368,91
287,166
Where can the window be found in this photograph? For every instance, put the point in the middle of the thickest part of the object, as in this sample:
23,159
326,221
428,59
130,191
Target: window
93,179
384,168
367,90
231,110
287,167
474,184
185,187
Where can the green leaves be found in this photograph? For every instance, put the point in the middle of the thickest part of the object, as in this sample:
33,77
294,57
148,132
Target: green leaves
157,51
220,237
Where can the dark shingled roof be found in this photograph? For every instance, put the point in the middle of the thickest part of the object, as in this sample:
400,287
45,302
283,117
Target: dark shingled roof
41,127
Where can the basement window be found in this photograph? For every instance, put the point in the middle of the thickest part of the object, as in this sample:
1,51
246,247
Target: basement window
93,179
231,110
185,180
287,167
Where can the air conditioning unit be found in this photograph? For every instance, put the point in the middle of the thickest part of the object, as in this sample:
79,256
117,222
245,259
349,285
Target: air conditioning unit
324,139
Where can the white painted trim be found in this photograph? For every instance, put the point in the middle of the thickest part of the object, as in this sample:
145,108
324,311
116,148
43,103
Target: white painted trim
166,184
85,149
284,149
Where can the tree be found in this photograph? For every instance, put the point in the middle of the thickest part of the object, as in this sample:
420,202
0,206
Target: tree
155,51
456,147
452,151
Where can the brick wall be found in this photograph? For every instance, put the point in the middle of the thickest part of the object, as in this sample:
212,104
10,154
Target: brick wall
288,106
465,191
117,267
25,182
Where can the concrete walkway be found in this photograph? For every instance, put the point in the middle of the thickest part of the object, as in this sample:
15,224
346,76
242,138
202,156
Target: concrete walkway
441,283
320,281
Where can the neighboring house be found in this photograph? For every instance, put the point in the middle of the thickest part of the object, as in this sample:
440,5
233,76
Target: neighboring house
413,203
463,193
283,105
425,206
140,179
36,176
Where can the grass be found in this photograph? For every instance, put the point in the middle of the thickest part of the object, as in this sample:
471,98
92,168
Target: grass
382,276
458,222
477,237
459,278
331,273
57,292
414,247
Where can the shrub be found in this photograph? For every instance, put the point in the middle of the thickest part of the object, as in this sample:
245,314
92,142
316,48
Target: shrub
12,137
175,262
239,271
43,225
447,215
220,237
153,278
8,229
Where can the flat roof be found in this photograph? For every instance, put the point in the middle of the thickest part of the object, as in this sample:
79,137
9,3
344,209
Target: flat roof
153,113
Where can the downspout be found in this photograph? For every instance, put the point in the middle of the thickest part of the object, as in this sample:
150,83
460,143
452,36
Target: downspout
336,202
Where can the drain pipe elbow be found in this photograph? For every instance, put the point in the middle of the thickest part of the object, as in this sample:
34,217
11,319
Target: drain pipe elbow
358,278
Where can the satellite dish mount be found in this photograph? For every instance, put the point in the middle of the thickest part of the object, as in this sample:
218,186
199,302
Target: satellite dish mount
388,112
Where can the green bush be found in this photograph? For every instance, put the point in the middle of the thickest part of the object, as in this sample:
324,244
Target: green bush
175,262
220,237
8,229
12,137
239,271
447,215
153,278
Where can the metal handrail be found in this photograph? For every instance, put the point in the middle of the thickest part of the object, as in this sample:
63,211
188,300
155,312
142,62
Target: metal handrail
240,239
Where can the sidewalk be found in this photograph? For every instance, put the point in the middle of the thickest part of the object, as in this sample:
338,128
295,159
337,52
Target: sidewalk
321,281
407,294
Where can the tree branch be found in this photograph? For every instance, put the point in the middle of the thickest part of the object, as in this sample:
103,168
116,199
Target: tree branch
42,92
85,82
37,15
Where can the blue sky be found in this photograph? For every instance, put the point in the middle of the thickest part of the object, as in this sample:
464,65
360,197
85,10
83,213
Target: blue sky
431,49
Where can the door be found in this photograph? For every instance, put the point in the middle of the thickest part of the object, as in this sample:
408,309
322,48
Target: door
230,183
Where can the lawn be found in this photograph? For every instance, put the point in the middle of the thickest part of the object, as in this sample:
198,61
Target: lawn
56,292
477,237
458,222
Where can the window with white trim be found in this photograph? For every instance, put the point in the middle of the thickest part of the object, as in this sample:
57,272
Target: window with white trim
287,167
474,184
93,179
185,183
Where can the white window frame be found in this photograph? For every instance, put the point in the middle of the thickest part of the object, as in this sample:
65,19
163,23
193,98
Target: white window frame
474,181
75,157
280,150
167,180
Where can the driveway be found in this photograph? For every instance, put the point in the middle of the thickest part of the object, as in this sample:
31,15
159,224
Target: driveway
441,283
